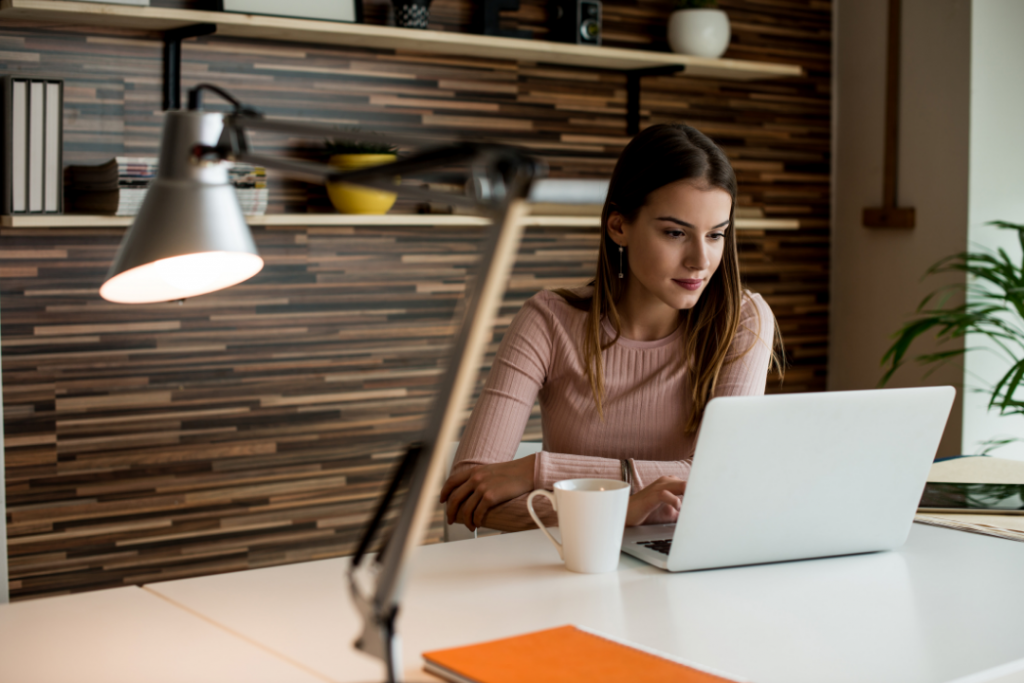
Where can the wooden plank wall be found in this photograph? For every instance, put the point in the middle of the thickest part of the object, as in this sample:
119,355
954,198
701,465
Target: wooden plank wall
255,426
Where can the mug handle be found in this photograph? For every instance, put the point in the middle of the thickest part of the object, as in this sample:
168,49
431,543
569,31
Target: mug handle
529,506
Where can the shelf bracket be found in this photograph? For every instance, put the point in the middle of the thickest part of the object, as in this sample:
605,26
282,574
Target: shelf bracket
172,60
633,92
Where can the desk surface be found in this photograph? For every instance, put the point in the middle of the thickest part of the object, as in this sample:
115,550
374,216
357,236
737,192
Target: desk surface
945,606
128,635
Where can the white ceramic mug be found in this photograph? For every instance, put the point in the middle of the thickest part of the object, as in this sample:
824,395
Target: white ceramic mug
591,517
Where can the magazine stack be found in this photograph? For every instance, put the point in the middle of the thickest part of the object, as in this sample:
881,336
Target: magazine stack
117,187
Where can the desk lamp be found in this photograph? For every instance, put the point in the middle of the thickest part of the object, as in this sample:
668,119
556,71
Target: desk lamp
191,238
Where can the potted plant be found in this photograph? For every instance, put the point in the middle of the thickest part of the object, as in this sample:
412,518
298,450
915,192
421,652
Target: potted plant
993,307
698,27
349,155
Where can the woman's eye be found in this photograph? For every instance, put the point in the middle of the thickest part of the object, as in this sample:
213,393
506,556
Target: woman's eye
717,235
674,233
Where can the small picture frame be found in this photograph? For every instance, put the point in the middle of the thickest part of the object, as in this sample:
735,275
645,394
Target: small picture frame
350,11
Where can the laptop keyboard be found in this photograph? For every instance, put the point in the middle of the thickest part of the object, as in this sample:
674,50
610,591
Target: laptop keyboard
660,546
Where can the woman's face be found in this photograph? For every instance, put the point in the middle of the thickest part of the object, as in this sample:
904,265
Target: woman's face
676,242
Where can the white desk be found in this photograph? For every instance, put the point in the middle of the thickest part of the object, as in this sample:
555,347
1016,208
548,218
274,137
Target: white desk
946,606
128,635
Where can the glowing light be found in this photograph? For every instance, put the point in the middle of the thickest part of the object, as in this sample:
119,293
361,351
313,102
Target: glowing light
181,277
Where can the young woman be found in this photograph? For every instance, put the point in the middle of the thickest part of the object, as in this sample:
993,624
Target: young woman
624,367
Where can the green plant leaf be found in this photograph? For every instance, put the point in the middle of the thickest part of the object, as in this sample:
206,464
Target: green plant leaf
989,303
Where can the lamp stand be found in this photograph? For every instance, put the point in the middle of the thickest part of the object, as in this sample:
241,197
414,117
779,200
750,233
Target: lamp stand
501,179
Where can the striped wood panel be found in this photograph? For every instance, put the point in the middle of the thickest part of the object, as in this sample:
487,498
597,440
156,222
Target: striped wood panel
254,427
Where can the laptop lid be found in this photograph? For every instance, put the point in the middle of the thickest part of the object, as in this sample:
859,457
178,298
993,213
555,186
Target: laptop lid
797,476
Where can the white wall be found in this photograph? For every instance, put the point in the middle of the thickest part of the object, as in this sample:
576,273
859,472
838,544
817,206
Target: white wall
876,273
996,187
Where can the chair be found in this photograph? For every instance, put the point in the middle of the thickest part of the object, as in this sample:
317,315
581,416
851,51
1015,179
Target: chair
459,532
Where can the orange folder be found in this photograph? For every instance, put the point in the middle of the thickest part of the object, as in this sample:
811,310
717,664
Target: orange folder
560,655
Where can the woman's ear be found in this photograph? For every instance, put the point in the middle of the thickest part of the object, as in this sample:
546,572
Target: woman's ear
618,229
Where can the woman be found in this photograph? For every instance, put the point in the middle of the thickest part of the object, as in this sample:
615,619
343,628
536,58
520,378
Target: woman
624,367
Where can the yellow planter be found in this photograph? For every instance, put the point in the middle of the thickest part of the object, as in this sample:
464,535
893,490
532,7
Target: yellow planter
348,198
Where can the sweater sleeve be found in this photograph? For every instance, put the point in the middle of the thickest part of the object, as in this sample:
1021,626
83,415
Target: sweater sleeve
496,426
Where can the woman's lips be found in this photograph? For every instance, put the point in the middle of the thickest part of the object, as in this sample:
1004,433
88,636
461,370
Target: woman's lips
692,285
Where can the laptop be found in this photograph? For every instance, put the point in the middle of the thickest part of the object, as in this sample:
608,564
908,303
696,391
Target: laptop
800,476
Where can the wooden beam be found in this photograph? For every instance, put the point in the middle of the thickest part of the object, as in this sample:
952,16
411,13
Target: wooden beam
889,215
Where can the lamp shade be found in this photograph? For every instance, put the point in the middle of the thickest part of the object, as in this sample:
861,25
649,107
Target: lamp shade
190,236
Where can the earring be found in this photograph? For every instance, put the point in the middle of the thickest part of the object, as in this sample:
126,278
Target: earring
620,261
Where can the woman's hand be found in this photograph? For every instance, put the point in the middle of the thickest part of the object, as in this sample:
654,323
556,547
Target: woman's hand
471,493
657,503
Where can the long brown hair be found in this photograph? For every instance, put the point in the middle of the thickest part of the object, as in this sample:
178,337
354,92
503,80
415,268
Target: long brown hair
663,154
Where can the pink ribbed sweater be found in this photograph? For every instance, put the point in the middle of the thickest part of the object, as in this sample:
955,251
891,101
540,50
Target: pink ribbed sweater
646,405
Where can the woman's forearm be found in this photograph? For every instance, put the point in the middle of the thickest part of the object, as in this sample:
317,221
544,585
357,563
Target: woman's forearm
512,515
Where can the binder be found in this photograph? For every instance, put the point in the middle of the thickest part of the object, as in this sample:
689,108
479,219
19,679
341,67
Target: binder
14,142
31,145
36,137
52,146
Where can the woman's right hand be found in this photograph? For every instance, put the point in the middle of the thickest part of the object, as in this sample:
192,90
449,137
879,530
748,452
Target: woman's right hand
657,503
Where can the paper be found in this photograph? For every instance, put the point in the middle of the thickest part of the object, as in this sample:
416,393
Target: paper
978,469
1001,526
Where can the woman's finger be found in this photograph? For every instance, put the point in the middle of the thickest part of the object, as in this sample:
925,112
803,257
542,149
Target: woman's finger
483,506
670,499
465,515
456,499
676,486
454,481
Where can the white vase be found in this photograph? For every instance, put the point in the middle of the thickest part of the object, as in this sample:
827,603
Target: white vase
699,32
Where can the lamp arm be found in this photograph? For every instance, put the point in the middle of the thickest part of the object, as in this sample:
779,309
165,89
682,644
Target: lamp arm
423,467
234,145
250,119
502,177
379,177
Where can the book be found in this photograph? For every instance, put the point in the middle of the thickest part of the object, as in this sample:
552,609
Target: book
977,469
563,655
118,172
117,202
328,10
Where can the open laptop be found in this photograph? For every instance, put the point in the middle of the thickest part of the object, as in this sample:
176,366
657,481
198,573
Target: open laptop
799,476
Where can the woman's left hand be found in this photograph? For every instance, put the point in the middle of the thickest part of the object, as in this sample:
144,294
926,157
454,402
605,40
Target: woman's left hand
657,503
471,493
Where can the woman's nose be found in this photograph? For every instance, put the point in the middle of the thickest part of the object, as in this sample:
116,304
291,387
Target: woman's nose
697,257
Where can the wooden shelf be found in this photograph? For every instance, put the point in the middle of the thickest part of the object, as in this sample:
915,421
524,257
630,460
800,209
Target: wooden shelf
387,37
337,220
